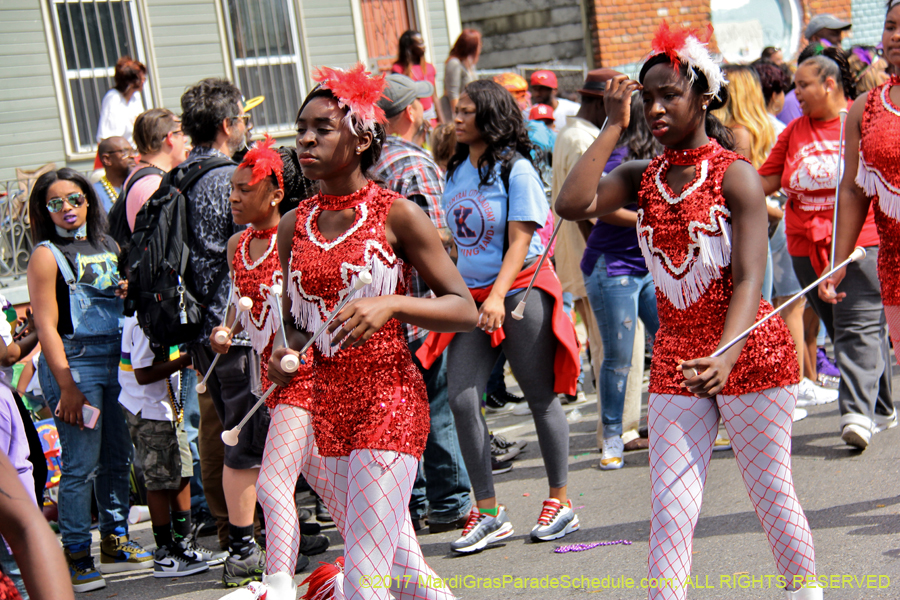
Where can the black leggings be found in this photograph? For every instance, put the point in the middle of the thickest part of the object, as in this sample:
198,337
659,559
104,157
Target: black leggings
530,347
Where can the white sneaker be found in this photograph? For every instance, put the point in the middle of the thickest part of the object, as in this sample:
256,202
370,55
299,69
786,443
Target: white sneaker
810,394
521,409
806,593
799,414
556,520
884,423
856,435
613,449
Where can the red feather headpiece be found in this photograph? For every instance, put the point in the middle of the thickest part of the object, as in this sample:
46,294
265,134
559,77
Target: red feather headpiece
264,160
688,46
356,90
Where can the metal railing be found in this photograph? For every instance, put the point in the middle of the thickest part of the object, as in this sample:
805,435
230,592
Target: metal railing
15,230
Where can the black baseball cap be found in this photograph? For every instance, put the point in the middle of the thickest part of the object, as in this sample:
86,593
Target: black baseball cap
400,91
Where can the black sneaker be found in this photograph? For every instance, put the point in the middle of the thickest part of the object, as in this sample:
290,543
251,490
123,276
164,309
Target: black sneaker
313,544
175,562
503,443
495,404
503,454
202,524
310,528
322,514
498,467
302,563
241,569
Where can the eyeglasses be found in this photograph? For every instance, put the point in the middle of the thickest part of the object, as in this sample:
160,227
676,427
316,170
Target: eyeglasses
129,153
75,200
244,117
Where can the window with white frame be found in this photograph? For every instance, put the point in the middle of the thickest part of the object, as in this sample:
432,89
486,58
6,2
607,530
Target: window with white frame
267,59
91,35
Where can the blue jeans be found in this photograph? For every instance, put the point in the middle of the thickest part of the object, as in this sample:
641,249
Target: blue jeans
441,489
98,458
617,303
192,429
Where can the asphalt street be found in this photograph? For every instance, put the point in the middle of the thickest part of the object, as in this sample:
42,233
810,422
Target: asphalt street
850,498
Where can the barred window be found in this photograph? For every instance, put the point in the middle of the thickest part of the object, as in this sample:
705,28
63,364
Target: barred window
267,59
91,35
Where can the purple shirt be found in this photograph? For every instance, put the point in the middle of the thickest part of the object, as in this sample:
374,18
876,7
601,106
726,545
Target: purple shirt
791,108
619,245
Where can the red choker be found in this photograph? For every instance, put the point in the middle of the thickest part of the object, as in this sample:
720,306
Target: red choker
259,234
327,202
694,155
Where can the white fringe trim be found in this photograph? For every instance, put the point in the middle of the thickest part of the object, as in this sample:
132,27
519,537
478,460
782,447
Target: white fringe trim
684,284
261,331
873,183
310,311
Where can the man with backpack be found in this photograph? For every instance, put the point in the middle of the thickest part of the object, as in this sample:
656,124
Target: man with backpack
163,146
213,116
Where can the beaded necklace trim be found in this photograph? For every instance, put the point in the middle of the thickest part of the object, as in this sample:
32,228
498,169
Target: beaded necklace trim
662,186
245,251
361,216
886,100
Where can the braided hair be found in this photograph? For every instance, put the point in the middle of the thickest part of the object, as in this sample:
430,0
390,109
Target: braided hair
296,186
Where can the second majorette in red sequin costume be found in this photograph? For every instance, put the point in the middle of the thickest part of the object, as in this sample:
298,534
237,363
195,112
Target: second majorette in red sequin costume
370,396
879,177
255,279
686,242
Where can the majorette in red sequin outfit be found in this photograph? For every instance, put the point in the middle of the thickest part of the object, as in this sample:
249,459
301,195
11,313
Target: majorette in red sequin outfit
370,396
255,279
879,177
686,242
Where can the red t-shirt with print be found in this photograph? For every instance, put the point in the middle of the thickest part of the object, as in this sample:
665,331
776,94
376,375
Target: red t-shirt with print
806,156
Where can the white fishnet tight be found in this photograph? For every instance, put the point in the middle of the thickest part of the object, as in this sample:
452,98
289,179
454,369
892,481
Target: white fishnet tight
369,505
682,431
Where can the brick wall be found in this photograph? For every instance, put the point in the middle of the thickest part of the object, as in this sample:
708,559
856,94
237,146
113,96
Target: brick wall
868,21
621,30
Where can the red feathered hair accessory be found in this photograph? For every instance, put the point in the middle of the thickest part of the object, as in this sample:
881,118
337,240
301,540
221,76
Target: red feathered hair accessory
264,160
689,46
356,90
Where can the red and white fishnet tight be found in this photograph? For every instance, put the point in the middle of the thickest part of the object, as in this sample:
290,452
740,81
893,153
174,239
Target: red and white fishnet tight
893,321
290,450
370,507
682,431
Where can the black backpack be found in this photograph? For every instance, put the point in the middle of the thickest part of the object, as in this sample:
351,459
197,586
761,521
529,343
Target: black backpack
161,289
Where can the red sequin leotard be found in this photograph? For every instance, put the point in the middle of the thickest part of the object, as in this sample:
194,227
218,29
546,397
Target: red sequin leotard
879,176
686,242
255,279
370,396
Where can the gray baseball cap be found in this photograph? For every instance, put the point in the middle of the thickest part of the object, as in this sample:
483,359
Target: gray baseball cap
400,91
826,21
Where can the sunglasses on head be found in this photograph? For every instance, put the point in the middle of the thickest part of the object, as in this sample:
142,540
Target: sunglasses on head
75,200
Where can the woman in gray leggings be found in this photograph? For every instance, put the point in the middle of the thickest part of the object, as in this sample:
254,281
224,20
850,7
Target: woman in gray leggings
494,201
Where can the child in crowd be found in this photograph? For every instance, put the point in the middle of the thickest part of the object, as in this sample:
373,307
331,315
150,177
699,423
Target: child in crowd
151,394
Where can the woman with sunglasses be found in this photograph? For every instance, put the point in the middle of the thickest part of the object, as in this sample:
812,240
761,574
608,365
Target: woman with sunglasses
74,288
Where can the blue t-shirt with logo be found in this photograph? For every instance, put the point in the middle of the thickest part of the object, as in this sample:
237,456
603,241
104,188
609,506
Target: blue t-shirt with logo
477,217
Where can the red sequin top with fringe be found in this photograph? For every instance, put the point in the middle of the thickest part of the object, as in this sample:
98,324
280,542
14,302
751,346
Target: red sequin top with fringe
370,396
879,177
686,241
255,279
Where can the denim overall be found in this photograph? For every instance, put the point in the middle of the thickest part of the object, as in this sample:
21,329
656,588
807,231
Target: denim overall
98,457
